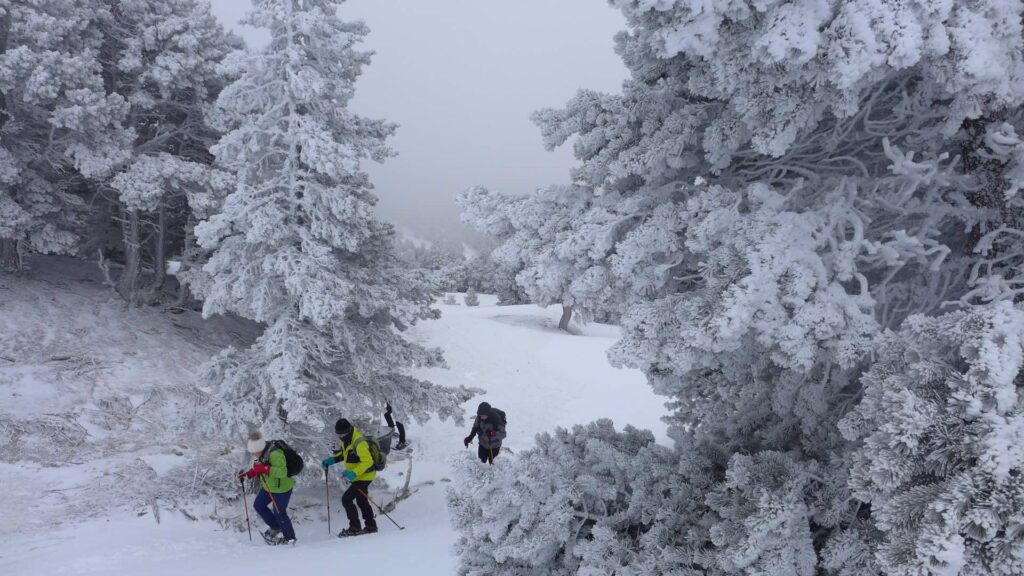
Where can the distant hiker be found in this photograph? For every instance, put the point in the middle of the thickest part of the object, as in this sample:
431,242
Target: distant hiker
271,466
402,444
490,425
354,451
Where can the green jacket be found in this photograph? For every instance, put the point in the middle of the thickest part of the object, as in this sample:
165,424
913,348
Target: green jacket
356,457
277,481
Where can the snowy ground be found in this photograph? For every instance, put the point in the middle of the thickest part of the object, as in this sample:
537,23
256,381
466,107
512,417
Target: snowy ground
541,377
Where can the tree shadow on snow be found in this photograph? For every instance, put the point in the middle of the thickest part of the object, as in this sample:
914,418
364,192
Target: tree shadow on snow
541,323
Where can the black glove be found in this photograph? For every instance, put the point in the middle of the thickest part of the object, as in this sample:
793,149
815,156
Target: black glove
467,440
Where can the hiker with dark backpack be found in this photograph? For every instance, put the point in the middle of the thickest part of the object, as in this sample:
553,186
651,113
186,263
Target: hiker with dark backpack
361,465
271,466
490,425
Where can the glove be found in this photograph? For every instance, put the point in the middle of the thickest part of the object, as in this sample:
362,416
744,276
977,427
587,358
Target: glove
467,440
240,475
260,468
328,462
349,475
251,472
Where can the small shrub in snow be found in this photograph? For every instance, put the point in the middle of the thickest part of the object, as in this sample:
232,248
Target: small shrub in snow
449,299
471,297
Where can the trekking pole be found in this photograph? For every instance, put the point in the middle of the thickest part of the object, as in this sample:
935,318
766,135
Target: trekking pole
245,505
379,508
327,487
272,500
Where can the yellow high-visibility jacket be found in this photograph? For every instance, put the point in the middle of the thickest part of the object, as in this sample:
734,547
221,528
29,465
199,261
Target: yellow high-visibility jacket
356,456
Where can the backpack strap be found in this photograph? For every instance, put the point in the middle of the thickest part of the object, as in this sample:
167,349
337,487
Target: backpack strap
270,447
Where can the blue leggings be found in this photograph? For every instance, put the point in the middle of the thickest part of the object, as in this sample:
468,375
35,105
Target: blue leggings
273,508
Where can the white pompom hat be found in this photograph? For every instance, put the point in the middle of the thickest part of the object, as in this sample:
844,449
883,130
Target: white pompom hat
256,443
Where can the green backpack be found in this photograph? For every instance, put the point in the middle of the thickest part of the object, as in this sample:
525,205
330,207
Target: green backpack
380,459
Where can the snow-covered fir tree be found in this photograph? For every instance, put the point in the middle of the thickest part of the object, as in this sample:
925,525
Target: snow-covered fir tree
586,501
104,133
551,239
941,434
59,125
295,245
815,232
163,58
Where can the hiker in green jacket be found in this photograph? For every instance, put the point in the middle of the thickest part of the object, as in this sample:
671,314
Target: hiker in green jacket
271,503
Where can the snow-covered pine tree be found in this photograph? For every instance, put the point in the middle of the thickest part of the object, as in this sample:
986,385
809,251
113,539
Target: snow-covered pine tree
552,238
941,428
789,182
589,501
471,298
295,246
162,56
493,277
59,127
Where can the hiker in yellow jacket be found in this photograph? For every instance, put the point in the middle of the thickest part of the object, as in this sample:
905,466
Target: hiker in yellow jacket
354,451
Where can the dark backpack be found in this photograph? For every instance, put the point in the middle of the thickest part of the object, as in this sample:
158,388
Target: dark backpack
291,457
380,459
501,415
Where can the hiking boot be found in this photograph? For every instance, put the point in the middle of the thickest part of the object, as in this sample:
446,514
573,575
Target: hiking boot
401,446
370,529
272,537
349,532
288,541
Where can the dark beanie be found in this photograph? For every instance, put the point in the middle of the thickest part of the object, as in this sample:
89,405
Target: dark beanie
483,408
342,426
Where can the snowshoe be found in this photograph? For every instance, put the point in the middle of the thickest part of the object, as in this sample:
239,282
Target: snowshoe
350,532
401,445
272,537
369,530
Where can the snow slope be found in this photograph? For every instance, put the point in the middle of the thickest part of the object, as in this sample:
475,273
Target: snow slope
541,377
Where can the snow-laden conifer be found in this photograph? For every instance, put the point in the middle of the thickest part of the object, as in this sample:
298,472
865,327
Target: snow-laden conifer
792,188
587,501
552,239
941,428
163,57
471,298
296,247
59,125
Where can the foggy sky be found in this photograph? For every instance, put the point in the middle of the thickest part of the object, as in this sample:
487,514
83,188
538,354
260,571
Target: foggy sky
461,78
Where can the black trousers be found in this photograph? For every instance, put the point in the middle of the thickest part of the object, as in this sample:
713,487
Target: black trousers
392,424
356,495
487,455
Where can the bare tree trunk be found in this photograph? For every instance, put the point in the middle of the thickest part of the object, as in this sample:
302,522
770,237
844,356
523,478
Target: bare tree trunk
563,323
128,284
10,255
184,293
160,252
